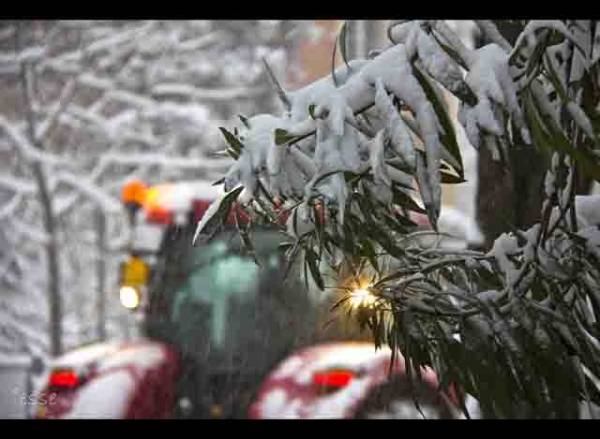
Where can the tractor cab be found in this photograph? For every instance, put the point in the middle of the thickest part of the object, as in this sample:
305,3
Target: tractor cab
228,311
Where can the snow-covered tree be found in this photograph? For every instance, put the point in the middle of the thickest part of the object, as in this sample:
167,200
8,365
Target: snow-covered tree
356,152
87,105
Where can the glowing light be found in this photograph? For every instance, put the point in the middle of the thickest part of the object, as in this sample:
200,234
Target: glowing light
155,197
64,378
134,192
362,297
333,378
158,203
130,297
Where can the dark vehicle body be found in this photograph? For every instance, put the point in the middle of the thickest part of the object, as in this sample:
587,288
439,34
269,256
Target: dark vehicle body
224,315
229,312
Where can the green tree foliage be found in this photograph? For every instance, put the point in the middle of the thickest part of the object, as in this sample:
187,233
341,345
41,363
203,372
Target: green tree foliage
516,327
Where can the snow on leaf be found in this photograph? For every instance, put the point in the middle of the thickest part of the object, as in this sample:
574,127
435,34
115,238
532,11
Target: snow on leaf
377,159
490,80
396,129
303,161
216,212
438,63
536,25
426,191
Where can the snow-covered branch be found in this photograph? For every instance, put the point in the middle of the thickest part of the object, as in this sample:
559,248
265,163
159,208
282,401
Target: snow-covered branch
205,94
91,191
161,160
9,208
17,185
26,149
64,99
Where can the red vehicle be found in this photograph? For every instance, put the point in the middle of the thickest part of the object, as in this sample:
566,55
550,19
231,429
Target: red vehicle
220,324
122,380
228,319
348,380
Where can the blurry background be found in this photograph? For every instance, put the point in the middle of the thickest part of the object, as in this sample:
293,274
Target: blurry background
86,106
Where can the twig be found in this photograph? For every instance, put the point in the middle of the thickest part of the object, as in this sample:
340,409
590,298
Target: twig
67,94
277,86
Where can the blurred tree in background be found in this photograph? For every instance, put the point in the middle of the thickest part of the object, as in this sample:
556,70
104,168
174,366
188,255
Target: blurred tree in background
85,106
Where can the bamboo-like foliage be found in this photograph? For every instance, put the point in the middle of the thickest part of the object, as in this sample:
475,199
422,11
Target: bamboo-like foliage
516,327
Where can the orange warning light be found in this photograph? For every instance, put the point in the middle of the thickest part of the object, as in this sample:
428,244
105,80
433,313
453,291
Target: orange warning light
134,192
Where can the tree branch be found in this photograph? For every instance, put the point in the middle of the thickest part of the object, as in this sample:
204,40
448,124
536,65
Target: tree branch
277,86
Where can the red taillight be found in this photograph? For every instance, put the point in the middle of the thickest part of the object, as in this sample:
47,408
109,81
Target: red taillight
64,379
333,378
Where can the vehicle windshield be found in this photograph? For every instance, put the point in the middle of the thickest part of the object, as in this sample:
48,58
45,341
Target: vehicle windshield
227,306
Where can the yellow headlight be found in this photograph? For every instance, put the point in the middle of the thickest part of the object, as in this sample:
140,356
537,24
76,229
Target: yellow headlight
130,297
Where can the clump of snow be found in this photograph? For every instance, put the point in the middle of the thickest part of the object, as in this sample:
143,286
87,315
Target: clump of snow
587,208
592,237
456,223
489,78
437,62
396,130
504,246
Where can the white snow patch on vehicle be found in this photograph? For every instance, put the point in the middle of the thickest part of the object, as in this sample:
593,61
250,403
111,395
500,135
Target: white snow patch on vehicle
106,397
144,357
85,355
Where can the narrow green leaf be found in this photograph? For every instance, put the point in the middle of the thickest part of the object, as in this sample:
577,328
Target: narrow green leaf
404,200
217,213
538,131
325,175
342,39
339,302
282,137
448,138
232,140
244,121
449,178
559,141
333,77
243,232
370,254
311,258
450,51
